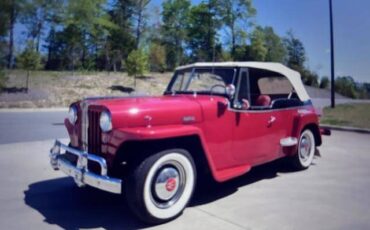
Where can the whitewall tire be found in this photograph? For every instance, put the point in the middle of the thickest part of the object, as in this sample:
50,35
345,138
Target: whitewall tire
160,186
305,151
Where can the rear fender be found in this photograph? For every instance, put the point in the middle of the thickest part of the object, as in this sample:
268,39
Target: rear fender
303,121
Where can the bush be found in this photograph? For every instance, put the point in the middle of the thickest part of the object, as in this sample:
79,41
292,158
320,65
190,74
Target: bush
136,64
346,86
29,60
2,80
324,83
157,58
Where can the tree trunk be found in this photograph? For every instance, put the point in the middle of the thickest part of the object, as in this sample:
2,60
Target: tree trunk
138,28
27,80
114,66
233,41
39,27
11,35
135,82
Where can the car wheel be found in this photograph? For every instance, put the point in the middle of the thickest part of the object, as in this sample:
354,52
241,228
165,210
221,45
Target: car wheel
306,150
160,187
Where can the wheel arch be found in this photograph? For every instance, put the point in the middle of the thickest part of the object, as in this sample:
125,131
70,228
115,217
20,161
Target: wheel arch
133,151
316,132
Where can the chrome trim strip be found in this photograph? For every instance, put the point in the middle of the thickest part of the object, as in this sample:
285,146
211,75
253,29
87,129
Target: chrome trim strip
80,172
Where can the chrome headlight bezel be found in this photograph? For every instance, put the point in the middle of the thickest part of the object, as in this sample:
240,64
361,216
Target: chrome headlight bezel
105,121
72,114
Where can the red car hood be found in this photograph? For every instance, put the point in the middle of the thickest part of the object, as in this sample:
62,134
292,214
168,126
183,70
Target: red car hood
144,111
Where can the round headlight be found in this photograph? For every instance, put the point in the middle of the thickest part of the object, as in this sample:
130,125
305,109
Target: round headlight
105,121
72,115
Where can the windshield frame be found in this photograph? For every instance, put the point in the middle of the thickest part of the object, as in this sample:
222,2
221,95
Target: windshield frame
193,70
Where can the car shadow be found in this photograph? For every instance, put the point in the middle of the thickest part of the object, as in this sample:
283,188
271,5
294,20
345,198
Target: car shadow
63,204
210,191
121,88
10,90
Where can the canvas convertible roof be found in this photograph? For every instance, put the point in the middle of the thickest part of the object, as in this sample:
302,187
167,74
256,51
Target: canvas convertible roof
293,76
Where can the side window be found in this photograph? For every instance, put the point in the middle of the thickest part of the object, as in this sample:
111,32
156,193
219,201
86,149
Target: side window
274,85
267,87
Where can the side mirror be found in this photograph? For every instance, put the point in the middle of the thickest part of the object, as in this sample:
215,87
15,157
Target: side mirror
230,90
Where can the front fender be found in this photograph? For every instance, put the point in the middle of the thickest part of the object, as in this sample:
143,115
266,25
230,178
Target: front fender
119,136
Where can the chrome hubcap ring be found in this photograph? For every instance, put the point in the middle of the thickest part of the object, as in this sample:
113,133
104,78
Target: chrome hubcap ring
305,148
168,184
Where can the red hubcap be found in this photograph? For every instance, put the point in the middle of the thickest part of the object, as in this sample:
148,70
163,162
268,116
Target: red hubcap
171,184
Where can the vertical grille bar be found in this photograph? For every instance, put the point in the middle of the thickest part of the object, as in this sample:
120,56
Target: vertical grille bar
84,125
94,132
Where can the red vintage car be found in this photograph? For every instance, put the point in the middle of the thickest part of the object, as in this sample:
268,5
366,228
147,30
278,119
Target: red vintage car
222,117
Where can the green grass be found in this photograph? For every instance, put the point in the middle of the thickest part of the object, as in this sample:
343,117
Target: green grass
355,115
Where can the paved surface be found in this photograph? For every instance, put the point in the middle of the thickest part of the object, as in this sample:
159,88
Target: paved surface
332,194
22,126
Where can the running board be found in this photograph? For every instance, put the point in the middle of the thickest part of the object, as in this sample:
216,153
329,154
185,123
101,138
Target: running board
288,141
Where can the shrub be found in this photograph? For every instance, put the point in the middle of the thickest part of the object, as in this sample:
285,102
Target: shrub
157,58
136,64
29,60
324,83
2,80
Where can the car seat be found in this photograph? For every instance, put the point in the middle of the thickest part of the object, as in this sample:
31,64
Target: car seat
263,100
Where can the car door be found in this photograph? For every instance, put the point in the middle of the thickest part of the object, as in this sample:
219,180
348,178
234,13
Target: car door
256,133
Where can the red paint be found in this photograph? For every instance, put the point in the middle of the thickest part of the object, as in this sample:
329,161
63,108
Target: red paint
233,140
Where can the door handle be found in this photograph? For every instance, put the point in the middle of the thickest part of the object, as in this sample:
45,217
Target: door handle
271,120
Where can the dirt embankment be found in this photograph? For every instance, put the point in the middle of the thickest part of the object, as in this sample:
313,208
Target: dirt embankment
59,89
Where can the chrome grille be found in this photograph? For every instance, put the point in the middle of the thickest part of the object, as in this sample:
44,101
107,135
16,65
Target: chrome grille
94,132
84,125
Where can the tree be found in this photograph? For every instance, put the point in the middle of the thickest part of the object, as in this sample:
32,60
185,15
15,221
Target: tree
29,60
37,14
157,58
136,64
275,48
139,8
324,83
296,54
88,24
236,15
346,86
120,39
13,7
258,49
202,28
174,14
310,78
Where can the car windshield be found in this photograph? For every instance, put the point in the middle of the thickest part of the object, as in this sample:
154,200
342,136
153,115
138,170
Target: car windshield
202,80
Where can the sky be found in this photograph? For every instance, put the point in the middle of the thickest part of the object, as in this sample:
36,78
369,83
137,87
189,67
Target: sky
309,21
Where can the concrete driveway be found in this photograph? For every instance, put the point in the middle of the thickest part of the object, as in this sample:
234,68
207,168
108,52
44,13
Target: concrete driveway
332,194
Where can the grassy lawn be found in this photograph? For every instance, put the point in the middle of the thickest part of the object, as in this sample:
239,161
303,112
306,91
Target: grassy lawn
356,115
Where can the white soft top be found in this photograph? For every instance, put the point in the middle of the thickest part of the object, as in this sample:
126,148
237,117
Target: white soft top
293,76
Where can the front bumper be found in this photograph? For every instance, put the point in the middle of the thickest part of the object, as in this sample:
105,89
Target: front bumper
80,172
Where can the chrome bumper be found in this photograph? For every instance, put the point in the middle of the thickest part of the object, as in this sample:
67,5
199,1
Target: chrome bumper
80,172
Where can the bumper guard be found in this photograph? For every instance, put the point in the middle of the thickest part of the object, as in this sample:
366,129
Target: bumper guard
80,172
